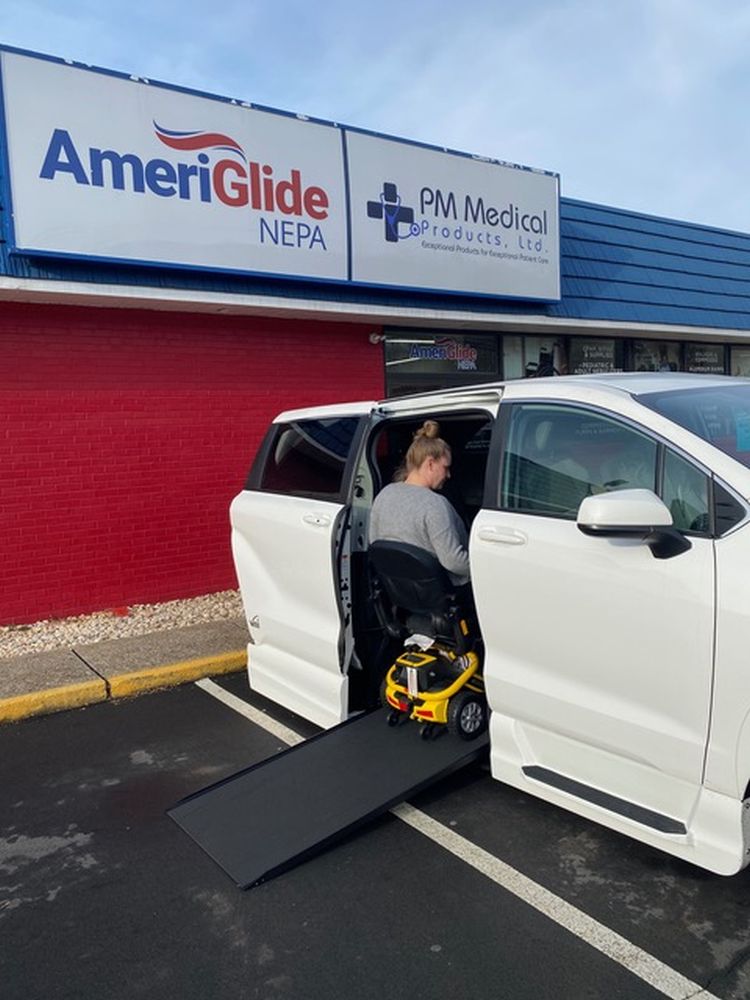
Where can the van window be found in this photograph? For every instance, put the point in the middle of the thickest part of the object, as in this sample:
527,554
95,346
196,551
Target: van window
307,458
558,455
685,490
720,415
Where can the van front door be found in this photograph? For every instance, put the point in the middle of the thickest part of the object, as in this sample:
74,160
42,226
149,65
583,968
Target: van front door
287,529
599,655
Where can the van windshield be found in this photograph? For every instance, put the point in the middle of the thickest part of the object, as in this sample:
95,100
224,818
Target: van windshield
718,414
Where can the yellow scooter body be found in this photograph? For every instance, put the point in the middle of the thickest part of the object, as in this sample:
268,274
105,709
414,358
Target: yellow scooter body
413,694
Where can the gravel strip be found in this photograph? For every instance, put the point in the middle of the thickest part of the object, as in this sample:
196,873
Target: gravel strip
16,640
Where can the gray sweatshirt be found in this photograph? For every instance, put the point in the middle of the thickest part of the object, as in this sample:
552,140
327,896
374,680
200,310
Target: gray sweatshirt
418,516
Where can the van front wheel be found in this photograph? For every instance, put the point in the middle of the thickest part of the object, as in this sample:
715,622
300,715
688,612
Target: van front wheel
467,715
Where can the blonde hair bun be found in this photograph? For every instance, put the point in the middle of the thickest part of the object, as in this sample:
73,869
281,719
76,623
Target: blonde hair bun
429,429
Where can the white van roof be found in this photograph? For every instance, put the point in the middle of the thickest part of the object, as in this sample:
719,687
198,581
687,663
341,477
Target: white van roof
357,409
616,383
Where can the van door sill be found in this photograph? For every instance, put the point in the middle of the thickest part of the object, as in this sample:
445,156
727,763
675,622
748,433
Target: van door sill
640,814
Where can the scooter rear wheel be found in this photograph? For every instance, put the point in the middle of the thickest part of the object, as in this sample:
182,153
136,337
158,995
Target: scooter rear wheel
467,715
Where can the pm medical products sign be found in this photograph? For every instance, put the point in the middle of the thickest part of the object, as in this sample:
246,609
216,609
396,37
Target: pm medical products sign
103,166
451,222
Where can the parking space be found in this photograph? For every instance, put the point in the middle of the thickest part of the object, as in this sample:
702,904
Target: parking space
689,919
101,895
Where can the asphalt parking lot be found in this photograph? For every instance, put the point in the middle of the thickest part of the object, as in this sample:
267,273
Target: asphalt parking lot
103,896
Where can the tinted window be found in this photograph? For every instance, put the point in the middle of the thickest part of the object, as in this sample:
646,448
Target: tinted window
656,356
308,457
706,358
718,415
728,511
556,456
685,490
594,354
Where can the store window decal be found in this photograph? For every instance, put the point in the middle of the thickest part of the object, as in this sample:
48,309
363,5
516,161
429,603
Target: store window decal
444,354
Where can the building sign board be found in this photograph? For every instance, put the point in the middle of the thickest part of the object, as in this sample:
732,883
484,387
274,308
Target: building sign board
438,221
107,167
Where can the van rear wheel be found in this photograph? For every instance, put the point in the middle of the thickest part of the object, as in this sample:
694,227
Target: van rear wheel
467,715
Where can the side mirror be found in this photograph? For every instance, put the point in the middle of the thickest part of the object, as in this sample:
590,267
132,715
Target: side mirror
632,514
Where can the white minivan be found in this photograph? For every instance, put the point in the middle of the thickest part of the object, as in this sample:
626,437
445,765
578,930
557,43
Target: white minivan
610,550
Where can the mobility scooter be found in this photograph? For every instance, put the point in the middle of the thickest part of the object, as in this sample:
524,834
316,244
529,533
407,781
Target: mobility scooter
437,679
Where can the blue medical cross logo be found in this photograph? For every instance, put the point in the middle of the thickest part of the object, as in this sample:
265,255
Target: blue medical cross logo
390,209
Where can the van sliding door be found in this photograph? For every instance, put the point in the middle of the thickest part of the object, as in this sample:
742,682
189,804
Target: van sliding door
285,527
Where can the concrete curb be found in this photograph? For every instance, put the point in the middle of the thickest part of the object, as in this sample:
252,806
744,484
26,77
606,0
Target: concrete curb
58,699
171,674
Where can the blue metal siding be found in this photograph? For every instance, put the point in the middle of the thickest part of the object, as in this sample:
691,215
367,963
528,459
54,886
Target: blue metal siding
627,267
616,265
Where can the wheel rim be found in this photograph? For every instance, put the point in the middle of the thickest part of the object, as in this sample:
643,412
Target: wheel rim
471,717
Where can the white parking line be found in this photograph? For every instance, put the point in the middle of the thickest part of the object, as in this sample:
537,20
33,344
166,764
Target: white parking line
640,963
662,977
279,730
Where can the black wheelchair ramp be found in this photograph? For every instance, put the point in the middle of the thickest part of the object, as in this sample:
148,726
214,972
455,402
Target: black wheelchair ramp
269,817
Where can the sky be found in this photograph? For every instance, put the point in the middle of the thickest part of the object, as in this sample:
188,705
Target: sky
640,104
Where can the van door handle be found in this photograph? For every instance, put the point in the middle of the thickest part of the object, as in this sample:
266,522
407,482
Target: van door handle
507,536
317,520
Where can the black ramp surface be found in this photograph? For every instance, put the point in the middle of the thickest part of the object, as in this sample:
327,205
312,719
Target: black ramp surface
270,816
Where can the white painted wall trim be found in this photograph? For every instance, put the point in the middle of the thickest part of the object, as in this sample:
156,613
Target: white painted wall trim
46,292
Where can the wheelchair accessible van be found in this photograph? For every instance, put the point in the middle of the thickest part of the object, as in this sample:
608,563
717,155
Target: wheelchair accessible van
437,679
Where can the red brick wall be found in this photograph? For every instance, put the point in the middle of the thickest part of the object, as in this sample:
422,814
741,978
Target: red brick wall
124,435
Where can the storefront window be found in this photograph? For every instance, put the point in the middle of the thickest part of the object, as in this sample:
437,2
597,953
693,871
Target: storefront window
741,361
589,355
533,357
706,358
417,361
656,356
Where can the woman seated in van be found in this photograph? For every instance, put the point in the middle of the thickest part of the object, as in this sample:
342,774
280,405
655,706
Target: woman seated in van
413,512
